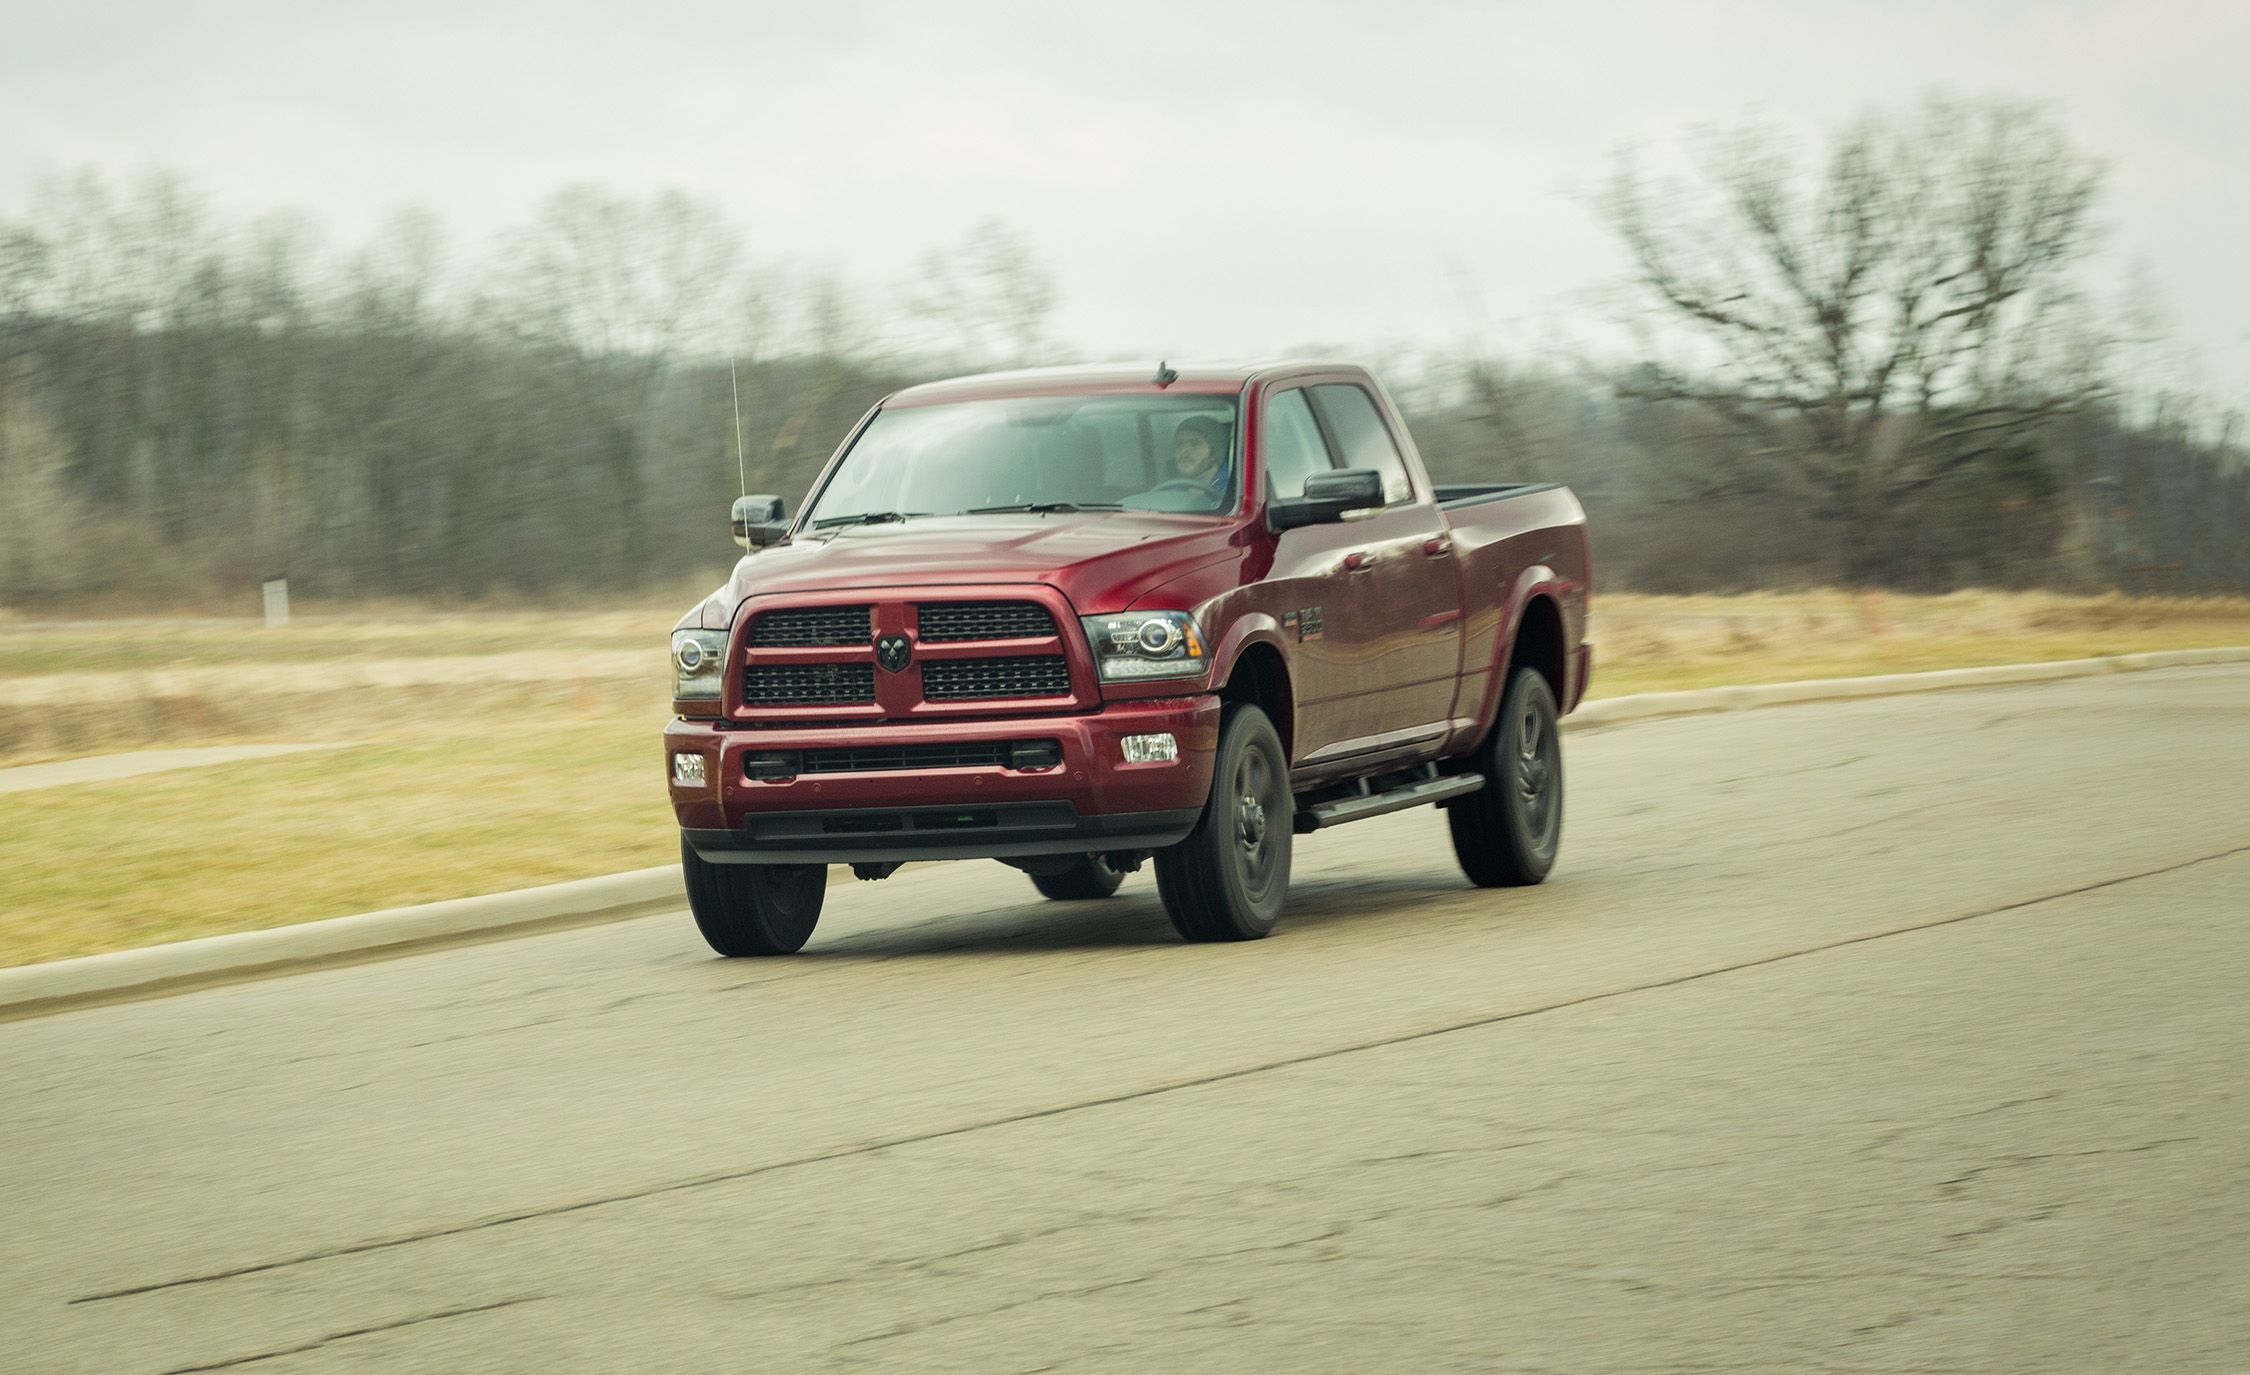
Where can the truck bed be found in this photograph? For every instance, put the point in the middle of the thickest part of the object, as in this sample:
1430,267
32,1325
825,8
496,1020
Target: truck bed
1470,493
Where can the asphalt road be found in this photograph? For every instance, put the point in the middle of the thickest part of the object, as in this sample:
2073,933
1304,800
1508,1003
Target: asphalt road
1892,1035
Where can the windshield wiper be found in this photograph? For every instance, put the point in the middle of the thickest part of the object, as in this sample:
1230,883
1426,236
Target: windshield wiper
1044,507
866,518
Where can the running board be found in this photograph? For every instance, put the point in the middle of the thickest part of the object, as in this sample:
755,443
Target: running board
1396,800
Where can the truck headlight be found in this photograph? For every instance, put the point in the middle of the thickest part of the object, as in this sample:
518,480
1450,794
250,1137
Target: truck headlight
696,656
1137,645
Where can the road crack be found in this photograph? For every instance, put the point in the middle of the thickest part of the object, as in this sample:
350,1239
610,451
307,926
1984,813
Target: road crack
349,1334
735,1176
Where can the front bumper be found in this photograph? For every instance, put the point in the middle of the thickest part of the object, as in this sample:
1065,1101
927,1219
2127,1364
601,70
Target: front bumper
1092,800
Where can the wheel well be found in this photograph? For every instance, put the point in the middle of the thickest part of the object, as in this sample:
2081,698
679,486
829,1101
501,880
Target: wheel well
1539,643
1260,678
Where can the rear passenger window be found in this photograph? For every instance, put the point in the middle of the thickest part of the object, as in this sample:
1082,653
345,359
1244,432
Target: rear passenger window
1294,449
1362,436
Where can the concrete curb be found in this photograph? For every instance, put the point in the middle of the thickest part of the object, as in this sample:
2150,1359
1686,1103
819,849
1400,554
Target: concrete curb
40,988
1646,706
34,989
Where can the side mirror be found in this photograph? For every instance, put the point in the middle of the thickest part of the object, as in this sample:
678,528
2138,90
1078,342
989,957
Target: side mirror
1328,497
758,521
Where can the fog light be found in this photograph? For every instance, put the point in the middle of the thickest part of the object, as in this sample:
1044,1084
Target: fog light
1034,754
771,768
1151,749
687,770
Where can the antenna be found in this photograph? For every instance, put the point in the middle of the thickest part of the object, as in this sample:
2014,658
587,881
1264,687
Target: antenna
741,461
1165,376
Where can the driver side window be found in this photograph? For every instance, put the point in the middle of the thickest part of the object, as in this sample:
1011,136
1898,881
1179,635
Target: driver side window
1293,447
1364,438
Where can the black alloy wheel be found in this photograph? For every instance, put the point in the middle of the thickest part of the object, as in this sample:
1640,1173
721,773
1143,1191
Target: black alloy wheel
753,909
1507,834
1535,757
1228,880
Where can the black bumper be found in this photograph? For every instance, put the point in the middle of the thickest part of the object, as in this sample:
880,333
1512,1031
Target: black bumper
1003,830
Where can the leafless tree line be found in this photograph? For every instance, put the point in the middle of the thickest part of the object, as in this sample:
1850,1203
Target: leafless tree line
187,404
1875,326
1878,368
1881,367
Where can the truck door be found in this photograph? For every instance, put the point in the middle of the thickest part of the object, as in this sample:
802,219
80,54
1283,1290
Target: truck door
1317,609
1402,557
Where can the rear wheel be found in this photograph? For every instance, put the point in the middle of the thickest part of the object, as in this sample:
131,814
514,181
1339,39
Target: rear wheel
1228,879
1089,876
1506,834
753,909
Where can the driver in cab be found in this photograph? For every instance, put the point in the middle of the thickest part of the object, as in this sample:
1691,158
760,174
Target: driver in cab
1200,450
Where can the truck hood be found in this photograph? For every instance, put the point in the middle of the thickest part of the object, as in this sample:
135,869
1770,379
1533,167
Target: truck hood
1100,560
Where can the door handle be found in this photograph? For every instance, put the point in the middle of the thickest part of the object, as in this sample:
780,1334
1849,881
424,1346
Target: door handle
1438,546
1358,562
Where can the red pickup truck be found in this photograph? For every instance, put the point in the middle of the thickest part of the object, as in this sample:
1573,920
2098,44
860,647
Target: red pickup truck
1075,619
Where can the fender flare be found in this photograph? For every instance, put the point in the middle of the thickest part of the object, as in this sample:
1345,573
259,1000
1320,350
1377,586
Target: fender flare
1247,632
1252,628
1539,580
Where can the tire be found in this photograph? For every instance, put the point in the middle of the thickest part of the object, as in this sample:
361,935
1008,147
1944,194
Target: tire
1506,834
1089,877
753,909
1227,881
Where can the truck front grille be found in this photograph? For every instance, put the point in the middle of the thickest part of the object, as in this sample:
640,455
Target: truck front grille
820,664
962,680
946,622
809,685
812,626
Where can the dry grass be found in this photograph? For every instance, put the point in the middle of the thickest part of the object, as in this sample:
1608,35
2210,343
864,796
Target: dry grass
1654,644
464,787
266,842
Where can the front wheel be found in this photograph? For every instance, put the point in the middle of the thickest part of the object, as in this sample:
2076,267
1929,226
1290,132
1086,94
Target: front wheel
1507,833
753,909
1227,880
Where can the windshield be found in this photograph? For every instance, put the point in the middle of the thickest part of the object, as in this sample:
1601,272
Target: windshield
1048,453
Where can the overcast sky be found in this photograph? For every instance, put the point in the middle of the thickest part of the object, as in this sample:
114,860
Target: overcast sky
1205,178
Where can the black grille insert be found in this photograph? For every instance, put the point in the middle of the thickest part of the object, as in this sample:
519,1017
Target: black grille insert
962,755
812,627
943,622
809,685
1030,675
869,758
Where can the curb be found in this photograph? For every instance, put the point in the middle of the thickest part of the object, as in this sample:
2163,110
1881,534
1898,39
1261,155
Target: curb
182,965
1616,711
33,990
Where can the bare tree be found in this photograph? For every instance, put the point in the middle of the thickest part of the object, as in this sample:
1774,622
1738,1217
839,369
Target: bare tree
988,297
23,267
614,290
1878,325
42,535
